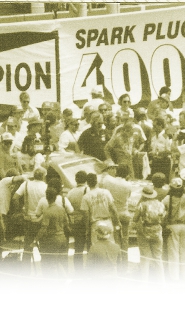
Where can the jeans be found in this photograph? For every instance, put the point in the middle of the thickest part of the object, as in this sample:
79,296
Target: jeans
151,255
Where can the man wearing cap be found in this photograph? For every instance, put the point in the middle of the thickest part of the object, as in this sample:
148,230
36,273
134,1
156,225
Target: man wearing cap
97,98
68,141
149,217
159,104
32,143
175,220
104,257
7,160
29,111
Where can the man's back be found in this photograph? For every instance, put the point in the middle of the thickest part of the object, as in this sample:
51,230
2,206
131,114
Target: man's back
97,201
120,190
35,190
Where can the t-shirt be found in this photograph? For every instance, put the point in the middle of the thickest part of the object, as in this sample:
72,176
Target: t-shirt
68,141
92,144
97,201
119,188
35,191
43,205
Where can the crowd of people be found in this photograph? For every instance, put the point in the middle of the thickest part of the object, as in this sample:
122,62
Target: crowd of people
135,143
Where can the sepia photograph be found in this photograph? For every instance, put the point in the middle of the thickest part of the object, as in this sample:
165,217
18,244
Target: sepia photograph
92,156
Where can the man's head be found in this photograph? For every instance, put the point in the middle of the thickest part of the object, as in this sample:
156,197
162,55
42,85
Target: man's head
51,195
158,180
73,124
124,101
127,130
111,121
6,140
12,125
55,107
92,180
40,173
96,121
81,177
55,183
164,100
46,107
25,100
88,110
35,125
102,108
182,119
18,112
158,124
165,89
122,171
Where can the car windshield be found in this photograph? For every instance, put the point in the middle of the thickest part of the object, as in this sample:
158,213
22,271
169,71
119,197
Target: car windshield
87,165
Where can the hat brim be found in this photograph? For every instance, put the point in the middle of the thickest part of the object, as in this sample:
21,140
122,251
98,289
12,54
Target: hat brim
150,196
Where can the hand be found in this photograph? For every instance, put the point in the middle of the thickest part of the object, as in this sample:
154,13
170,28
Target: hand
117,227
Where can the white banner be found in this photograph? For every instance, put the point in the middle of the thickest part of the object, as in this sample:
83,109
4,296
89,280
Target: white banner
135,53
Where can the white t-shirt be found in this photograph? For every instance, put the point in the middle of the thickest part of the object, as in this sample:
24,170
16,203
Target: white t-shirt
120,190
68,140
36,190
97,201
43,205
5,194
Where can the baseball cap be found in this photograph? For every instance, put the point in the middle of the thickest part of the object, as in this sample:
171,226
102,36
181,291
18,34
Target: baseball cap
103,230
35,121
46,105
7,136
176,183
97,90
11,121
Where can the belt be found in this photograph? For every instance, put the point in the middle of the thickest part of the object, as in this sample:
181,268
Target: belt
150,224
99,219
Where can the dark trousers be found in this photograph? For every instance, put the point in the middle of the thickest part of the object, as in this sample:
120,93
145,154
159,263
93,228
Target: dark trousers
31,230
80,241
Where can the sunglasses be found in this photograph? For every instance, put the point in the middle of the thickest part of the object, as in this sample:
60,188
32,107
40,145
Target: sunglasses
126,102
7,142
